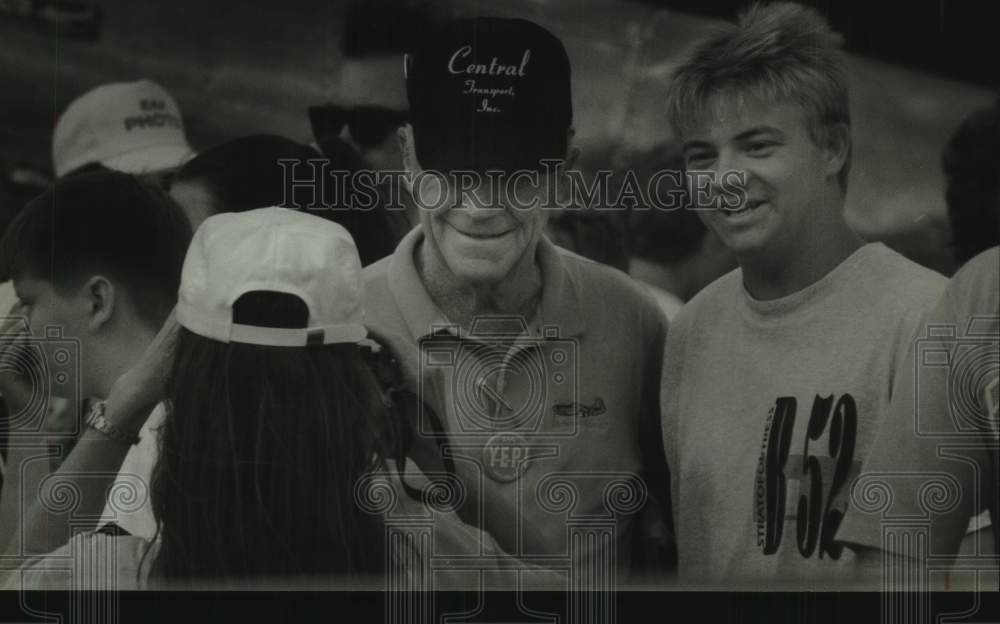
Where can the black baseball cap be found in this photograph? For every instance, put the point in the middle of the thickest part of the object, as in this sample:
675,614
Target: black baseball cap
488,93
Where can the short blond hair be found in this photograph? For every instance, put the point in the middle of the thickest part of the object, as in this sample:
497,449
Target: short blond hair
776,52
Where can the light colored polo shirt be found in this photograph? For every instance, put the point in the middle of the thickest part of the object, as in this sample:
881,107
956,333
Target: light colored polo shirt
546,419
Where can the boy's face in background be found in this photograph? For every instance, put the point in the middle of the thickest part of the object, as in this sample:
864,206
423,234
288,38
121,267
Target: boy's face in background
46,307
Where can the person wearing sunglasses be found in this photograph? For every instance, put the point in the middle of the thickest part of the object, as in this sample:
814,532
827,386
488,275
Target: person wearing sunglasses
368,101
368,129
357,126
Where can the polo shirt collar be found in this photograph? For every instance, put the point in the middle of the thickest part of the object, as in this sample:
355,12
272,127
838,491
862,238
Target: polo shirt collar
560,291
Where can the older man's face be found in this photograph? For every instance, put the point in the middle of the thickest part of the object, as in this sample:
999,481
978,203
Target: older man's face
484,233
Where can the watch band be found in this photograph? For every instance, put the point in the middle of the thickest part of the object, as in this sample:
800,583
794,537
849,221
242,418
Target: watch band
96,420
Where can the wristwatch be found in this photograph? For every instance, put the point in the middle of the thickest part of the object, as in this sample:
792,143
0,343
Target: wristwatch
96,420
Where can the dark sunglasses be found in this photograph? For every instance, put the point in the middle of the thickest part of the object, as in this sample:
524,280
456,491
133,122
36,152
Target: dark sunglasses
368,125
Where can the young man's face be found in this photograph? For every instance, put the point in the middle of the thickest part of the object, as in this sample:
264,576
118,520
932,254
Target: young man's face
786,174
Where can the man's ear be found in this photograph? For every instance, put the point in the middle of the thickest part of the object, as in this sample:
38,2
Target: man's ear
101,298
838,148
406,148
564,194
424,196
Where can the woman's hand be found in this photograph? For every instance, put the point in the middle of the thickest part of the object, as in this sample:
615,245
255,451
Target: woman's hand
134,395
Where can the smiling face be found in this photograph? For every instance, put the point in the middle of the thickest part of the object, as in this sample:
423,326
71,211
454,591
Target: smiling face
788,178
483,241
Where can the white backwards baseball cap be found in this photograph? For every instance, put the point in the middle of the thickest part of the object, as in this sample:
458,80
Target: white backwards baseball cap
133,127
278,250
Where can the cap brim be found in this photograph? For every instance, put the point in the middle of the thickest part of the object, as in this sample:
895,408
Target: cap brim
477,148
280,337
151,159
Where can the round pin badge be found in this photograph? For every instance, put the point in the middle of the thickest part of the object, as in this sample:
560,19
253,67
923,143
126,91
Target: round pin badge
505,457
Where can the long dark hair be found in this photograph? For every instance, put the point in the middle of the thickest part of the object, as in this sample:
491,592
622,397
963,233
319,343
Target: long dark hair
260,454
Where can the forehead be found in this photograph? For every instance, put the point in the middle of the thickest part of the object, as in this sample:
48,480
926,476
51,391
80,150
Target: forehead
377,82
726,116
495,181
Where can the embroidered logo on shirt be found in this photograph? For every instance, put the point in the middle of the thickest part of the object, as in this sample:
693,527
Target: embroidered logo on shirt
583,412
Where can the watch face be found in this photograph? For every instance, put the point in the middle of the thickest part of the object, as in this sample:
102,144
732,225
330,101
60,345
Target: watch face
96,420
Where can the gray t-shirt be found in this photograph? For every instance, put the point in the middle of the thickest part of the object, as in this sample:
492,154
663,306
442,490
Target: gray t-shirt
768,409
935,458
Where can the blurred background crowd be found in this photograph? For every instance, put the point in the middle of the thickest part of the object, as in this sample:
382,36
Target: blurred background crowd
325,75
